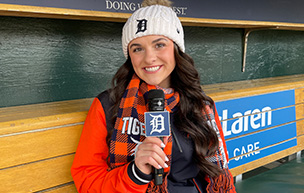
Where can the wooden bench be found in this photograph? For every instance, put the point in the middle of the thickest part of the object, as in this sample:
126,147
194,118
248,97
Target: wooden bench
37,145
38,142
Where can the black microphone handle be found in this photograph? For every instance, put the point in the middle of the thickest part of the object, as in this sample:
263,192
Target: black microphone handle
158,173
158,176
155,97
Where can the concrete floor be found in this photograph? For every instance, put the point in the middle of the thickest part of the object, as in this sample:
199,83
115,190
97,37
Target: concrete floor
287,178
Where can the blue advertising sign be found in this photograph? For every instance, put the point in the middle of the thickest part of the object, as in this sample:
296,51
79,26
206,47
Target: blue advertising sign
262,153
258,126
157,124
250,114
250,144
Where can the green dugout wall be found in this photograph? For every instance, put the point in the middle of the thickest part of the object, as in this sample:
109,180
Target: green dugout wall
44,60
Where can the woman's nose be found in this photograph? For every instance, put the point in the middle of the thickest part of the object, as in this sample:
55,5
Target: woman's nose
150,56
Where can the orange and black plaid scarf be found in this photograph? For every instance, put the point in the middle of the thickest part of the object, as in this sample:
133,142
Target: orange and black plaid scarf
224,182
127,134
127,130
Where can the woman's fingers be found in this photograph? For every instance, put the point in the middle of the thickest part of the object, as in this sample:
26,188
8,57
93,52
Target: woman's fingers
153,152
155,140
150,153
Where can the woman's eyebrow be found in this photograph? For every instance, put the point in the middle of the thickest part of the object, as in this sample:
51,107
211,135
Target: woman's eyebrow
153,42
159,39
135,44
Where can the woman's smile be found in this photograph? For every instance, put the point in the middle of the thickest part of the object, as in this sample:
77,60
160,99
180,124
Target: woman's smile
152,69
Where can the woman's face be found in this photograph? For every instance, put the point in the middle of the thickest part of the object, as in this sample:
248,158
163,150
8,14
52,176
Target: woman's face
153,59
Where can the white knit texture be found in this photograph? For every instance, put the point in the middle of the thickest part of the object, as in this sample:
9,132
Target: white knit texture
161,20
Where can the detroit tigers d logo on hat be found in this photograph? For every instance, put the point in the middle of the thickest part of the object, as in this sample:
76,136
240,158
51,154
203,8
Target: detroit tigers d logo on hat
142,25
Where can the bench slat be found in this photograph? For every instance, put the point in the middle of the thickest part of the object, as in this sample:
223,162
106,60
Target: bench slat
225,91
300,111
299,94
64,189
255,83
24,125
44,109
30,147
37,176
300,128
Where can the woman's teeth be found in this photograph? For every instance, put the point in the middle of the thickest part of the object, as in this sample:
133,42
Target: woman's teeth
152,69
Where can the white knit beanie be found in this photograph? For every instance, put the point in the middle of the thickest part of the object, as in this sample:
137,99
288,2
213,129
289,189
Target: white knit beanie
153,20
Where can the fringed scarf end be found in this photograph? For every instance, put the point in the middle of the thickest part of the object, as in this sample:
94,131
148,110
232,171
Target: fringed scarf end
222,184
152,188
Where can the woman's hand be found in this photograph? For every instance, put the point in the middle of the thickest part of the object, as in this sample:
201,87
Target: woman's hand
150,153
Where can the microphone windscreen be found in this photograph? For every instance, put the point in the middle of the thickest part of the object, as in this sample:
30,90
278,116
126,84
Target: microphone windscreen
156,93
156,100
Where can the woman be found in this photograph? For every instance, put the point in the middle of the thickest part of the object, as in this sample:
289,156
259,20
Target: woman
114,155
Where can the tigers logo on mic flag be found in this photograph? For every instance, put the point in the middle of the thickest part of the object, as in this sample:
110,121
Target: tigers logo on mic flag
157,124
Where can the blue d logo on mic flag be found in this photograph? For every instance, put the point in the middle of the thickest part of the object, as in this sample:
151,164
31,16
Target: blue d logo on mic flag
157,124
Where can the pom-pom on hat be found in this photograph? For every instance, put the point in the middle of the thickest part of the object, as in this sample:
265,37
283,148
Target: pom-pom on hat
156,18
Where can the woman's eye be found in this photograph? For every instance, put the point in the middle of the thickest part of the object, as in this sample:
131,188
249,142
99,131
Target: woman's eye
137,49
160,45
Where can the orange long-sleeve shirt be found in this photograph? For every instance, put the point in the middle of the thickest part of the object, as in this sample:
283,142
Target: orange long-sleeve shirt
89,169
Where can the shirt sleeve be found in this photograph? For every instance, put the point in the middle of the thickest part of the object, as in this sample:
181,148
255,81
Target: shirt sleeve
90,169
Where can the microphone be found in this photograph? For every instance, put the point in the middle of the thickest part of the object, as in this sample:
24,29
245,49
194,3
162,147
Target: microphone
157,123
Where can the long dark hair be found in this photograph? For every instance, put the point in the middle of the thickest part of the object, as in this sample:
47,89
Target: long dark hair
189,116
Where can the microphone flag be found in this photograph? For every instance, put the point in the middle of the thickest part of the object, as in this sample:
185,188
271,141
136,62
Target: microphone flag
157,124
